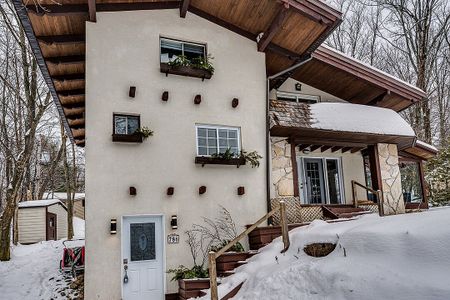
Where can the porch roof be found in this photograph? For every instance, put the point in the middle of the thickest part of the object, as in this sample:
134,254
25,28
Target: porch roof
347,125
420,150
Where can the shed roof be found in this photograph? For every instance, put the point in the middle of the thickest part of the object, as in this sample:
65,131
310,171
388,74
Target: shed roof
39,203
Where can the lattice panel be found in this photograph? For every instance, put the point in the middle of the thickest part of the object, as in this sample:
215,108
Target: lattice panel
295,212
370,207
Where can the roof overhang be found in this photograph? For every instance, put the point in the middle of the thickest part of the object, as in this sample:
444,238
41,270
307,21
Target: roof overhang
301,124
420,150
351,80
287,29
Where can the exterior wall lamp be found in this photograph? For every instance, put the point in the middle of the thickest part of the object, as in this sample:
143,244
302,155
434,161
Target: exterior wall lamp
113,226
174,222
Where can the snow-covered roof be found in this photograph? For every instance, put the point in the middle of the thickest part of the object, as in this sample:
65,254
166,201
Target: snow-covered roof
426,146
38,203
63,195
358,118
372,68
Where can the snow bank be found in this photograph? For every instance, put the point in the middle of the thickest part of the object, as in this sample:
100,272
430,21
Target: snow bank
37,203
358,118
397,257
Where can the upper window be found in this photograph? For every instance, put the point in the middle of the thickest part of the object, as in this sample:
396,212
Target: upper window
216,139
126,124
296,97
171,49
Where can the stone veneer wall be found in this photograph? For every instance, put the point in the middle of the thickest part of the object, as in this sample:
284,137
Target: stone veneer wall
391,179
282,176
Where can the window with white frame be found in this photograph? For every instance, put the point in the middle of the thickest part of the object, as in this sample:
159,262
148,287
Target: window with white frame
297,97
217,139
171,49
126,124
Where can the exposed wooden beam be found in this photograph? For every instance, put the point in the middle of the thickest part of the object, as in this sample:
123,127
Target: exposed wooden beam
92,6
62,39
303,147
336,148
184,8
71,93
274,27
346,149
79,111
83,9
315,147
78,133
379,98
76,122
327,142
356,149
325,148
80,143
66,60
69,77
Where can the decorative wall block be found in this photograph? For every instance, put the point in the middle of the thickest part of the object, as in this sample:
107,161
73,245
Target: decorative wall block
133,191
390,179
170,191
165,96
241,190
197,99
132,92
282,175
202,190
235,102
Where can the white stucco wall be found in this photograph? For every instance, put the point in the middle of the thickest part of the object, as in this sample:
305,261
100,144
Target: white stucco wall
289,86
122,51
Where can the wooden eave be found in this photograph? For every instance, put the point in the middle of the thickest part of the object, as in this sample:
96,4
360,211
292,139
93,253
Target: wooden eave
56,32
420,152
353,81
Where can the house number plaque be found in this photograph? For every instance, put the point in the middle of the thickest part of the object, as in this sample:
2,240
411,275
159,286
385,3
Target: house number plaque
173,238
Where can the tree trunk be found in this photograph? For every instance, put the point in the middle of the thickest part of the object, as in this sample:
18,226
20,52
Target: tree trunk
16,226
5,233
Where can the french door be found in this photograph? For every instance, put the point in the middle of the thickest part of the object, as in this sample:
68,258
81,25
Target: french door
320,180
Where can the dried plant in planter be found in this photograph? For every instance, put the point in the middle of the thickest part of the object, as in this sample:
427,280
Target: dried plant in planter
250,157
202,63
145,132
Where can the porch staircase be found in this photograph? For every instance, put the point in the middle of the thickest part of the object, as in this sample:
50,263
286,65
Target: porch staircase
332,212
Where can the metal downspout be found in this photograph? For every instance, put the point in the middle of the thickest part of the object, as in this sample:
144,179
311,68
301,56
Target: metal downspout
268,154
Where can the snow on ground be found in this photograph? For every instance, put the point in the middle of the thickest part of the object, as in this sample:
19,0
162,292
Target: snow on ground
33,271
395,257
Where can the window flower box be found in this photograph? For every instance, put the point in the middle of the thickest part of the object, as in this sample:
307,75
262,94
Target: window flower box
185,71
208,160
128,138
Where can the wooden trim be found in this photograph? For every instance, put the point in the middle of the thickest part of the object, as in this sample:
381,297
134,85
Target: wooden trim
375,170
62,39
423,183
92,7
71,93
69,77
66,60
294,170
274,27
379,98
184,8
47,216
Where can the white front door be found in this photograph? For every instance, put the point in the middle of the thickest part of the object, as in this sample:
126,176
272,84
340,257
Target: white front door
142,258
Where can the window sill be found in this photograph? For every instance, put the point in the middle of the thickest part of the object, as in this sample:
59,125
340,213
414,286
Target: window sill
185,71
127,138
206,160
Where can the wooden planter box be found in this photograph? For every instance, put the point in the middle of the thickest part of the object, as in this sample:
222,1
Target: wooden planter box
185,71
191,288
205,160
127,138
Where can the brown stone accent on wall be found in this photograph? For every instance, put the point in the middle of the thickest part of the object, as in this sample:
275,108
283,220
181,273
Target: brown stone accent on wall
282,175
390,179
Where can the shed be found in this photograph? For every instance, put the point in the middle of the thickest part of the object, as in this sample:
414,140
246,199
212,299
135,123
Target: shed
78,201
42,220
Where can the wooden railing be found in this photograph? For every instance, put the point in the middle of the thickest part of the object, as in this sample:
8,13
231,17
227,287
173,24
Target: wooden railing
378,194
214,255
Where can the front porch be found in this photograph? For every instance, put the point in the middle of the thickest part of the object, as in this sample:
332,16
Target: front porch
324,170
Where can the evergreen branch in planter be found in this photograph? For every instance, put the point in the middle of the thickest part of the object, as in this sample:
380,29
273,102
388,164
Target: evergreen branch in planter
145,132
251,157
202,63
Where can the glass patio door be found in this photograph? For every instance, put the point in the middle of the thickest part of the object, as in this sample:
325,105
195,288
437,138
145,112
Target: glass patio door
315,183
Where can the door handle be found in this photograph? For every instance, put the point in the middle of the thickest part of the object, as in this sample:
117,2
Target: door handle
125,276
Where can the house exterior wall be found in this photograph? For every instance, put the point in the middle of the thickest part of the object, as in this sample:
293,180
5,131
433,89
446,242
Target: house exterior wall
282,175
289,86
31,223
61,220
123,51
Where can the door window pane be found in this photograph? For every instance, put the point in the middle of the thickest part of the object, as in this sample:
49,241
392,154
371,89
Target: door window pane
142,241
333,181
314,181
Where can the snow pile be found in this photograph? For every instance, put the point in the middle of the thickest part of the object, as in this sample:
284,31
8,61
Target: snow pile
33,271
396,257
358,118
37,203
